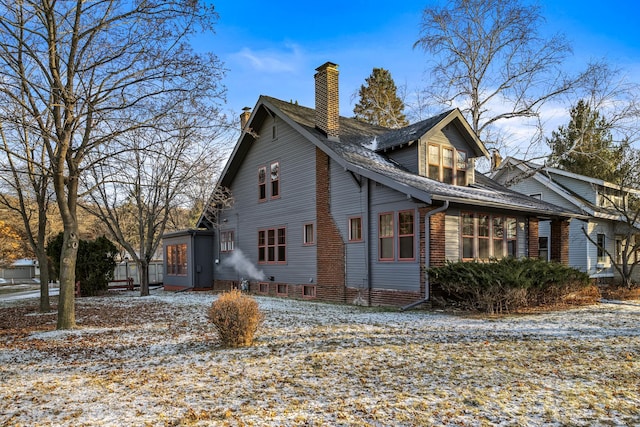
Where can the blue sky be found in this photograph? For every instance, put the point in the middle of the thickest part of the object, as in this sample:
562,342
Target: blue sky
272,48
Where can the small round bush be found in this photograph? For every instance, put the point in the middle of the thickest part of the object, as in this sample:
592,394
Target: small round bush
236,317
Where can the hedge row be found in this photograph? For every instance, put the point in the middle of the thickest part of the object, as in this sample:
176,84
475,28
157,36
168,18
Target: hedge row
508,284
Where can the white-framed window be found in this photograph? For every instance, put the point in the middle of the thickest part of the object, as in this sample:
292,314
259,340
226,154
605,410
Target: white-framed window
226,241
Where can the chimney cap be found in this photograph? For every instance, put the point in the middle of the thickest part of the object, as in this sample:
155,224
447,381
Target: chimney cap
327,65
246,109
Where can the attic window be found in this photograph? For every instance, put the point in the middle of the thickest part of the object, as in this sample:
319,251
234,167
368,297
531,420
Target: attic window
446,164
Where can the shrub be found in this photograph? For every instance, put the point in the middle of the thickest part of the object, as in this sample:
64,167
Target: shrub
236,317
507,284
94,265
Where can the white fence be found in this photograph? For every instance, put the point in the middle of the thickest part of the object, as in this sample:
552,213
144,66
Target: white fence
126,269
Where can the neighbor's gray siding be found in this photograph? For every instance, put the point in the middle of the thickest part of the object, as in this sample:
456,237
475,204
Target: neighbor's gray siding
294,208
584,189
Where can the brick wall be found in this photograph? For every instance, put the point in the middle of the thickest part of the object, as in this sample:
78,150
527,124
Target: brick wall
330,245
532,238
560,241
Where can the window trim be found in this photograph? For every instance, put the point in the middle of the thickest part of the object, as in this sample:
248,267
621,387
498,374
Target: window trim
350,231
306,242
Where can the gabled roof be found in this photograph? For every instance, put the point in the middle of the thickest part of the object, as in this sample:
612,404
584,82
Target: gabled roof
360,150
543,175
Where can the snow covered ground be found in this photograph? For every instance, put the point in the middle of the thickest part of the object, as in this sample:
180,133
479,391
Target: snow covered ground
156,361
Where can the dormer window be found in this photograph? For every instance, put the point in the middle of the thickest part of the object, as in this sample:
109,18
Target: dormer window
446,164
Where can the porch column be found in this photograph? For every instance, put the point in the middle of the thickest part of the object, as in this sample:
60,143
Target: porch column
560,241
532,238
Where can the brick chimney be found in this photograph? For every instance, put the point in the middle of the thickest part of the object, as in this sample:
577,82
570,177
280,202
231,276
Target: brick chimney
327,109
244,117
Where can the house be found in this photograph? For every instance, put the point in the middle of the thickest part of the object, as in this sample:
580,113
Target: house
603,228
334,209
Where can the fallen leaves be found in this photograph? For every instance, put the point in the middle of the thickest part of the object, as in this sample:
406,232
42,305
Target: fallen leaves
156,361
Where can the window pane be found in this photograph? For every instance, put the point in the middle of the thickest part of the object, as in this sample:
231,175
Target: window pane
483,226
308,233
447,175
386,225
355,229
406,247
483,248
434,155
434,172
467,225
461,178
512,248
461,161
510,225
467,247
386,248
498,228
498,251
406,222
447,157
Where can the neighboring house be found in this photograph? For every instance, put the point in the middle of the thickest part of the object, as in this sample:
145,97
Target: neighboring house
595,198
334,209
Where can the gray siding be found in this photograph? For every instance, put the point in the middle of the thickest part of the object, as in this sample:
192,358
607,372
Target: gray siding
395,275
349,199
171,280
294,208
407,157
452,235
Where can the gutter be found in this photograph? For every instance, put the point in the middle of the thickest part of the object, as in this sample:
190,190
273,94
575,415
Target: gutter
427,250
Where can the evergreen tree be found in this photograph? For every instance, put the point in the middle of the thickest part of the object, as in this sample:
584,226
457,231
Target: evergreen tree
379,102
586,147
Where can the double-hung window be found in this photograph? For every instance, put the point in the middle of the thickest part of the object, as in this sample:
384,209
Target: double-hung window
385,237
275,179
262,183
406,236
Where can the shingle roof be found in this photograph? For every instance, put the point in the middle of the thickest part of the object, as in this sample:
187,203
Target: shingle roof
356,147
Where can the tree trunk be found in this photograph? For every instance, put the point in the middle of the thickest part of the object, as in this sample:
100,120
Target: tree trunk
68,258
144,278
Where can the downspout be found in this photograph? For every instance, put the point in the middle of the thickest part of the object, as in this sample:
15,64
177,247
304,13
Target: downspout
427,251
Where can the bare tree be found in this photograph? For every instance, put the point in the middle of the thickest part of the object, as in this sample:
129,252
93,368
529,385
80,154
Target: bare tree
26,180
490,60
86,73
136,190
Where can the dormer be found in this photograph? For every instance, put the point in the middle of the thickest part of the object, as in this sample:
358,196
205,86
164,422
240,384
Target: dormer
443,148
